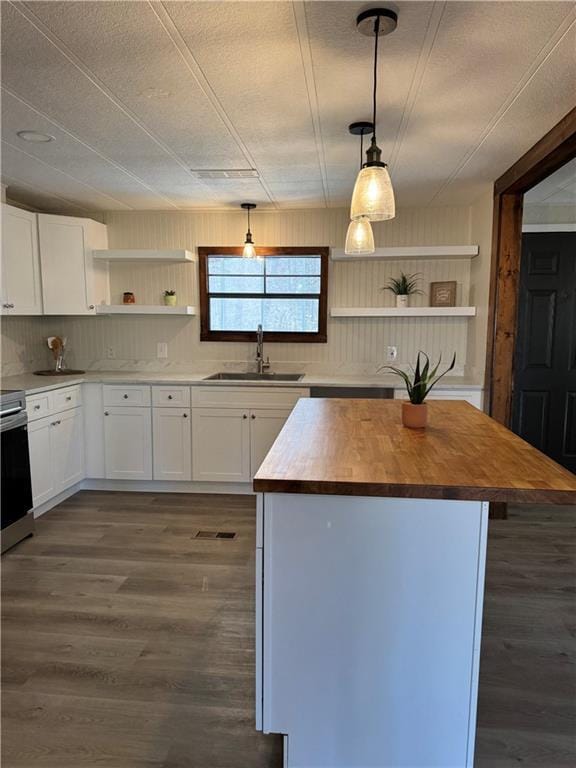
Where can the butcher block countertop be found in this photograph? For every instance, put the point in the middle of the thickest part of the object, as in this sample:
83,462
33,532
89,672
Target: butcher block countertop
360,448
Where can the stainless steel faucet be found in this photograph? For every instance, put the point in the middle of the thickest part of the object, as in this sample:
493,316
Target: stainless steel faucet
262,364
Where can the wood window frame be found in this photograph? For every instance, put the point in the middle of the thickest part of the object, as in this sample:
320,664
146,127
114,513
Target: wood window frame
320,337
549,154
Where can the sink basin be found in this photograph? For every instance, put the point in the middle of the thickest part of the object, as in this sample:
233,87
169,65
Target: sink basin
225,376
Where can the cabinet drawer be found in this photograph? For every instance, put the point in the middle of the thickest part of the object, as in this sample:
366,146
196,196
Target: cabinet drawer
126,395
247,397
171,397
39,406
66,398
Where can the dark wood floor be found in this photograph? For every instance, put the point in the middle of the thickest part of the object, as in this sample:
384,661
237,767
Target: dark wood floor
127,643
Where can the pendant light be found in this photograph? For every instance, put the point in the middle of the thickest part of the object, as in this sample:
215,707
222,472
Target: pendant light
373,196
249,251
359,238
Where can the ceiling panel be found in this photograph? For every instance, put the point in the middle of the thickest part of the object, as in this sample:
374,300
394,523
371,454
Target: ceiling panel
558,189
137,93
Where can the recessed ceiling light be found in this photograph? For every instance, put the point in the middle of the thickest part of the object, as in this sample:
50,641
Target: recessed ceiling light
35,137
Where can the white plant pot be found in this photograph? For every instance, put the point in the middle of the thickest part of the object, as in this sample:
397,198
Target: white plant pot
401,300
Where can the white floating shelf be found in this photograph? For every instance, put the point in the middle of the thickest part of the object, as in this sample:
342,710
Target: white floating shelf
412,252
129,254
403,311
142,309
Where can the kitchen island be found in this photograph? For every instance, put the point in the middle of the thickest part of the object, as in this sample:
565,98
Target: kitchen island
371,550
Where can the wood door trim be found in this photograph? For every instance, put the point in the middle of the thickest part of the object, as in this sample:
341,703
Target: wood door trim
555,149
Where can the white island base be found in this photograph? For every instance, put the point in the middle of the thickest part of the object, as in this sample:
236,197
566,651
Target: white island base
369,614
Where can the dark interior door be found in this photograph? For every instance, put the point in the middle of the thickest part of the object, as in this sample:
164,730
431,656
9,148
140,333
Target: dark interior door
544,404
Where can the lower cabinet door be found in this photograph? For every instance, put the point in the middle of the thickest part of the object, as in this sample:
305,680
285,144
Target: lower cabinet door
265,426
172,440
128,443
68,448
221,445
39,443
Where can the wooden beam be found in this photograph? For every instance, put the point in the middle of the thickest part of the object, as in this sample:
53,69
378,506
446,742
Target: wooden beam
553,151
506,267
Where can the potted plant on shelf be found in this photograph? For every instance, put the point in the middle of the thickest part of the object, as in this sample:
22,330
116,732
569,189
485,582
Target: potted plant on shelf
418,384
170,298
403,287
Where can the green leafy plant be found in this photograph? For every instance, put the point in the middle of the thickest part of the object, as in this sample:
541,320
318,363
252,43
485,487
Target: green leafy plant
405,285
422,379
169,293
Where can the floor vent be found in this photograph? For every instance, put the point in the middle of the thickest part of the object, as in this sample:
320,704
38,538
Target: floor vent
215,535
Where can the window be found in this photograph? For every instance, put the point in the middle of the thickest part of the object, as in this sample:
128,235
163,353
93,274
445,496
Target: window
285,291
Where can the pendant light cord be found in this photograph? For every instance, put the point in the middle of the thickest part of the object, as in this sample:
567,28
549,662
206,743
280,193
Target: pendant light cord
376,35
248,212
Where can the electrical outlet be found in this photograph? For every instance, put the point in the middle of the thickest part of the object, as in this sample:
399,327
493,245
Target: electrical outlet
391,354
110,353
162,350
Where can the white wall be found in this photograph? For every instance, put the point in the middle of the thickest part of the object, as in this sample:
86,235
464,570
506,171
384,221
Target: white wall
481,234
354,345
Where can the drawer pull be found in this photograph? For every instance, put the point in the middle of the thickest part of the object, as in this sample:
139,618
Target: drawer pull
55,423
106,413
169,397
252,417
185,415
244,416
69,397
37,407
125,397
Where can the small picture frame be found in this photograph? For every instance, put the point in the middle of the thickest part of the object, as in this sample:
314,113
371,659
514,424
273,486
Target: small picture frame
443,294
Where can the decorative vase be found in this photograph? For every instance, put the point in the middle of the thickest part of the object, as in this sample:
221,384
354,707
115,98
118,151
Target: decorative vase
128,298
170,301
401,300
414,416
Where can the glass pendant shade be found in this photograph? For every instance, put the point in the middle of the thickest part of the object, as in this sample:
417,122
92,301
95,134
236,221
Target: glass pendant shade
359,238
249,251
373,196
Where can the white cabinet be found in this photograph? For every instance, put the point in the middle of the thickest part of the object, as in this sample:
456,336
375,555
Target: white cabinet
233,429
265,426
39,444
128,443
68,448
56,446
221,445
21,292
172,441
73,282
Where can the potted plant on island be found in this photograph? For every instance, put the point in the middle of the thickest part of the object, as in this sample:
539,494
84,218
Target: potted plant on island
170,298
403,287
418,385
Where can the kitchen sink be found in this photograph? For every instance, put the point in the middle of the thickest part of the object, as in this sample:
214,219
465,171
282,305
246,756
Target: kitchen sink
226,376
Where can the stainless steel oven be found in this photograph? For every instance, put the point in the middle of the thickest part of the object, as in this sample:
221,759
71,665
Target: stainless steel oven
17,521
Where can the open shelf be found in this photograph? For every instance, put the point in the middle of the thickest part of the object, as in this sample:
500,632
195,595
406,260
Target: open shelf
412,252
403,311
143,309
130,254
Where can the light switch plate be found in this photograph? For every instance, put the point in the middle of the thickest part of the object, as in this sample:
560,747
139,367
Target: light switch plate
162,350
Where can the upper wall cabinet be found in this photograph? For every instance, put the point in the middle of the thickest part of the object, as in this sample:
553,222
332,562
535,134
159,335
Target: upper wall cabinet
21,292
73,282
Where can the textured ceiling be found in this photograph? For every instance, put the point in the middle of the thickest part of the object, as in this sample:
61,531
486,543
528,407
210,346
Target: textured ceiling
558,189
136,94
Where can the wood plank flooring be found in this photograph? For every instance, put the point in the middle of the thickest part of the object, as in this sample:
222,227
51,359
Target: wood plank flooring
127,643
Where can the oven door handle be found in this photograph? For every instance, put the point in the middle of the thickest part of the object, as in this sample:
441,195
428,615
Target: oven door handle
14,420
10,411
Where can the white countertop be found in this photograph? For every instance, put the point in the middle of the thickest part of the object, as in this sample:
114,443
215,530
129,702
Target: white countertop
31,383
